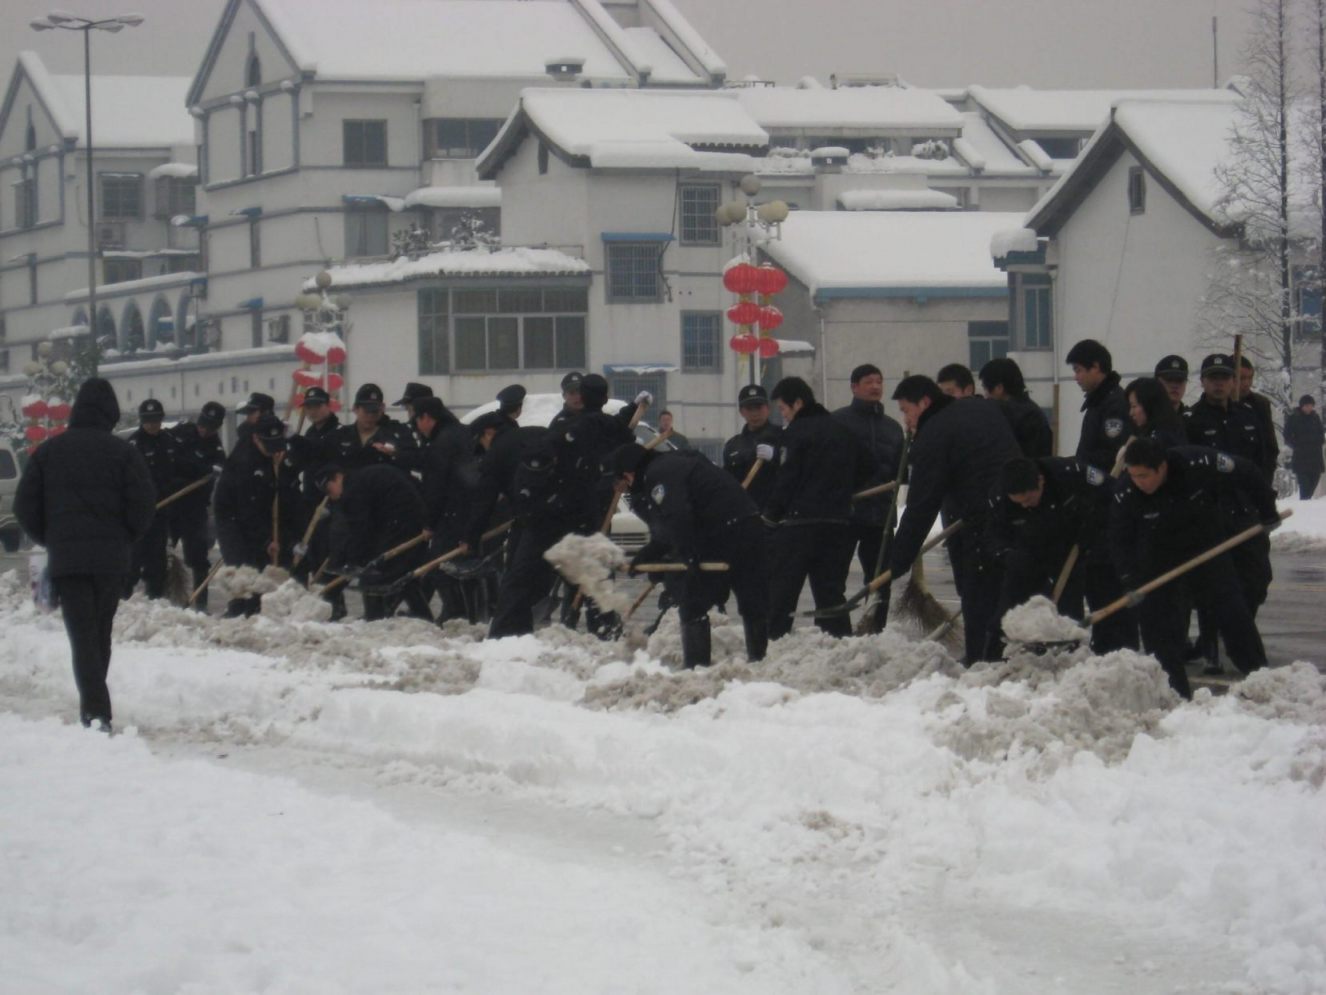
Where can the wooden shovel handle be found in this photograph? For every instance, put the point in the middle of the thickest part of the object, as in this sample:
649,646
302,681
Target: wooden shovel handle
750,474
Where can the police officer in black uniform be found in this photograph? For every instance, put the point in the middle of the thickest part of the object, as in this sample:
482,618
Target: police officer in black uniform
199,455
571,405
1172,372
309,452
255,407
159,450
759,439
698,513
821,465
372,437
449,478
1169,511
255,475
882,438
958,448
1106,426
1261,408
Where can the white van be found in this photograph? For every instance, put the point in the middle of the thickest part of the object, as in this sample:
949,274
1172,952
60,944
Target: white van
10,468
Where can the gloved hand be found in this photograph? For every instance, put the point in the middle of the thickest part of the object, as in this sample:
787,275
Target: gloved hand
765,452
645,398
300,550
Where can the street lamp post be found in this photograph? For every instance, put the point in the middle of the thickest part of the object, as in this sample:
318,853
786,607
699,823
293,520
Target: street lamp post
72,22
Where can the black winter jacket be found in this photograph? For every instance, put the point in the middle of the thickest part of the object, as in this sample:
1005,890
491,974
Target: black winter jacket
160,453
196,457
582,444
1074,508
1106,426
519,458
379,509
1029,425
450,477
243,502
315,448
959,448
87,495
688,502
739,457
1305,435
881,438
821,465
352,453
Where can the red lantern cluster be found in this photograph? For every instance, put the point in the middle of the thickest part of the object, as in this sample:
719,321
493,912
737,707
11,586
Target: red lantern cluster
46,417
323,351
749,282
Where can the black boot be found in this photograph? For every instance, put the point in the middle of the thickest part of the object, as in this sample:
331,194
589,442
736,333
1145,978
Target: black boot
757,638
695,644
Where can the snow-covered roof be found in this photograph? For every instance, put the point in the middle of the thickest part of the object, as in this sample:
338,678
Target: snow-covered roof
416,39
875,109
626,128
1024,110
897,200
468,196
984,150
846,254
784,161
127,111
458,262
178,170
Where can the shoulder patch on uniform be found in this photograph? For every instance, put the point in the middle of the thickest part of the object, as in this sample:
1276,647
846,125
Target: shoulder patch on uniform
658,493
1113,427
1095,477
1224,463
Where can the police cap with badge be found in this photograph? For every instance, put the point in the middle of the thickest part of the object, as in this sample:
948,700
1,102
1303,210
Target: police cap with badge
315,396
752,395
510,399
571,382
413,392
1218,365
213,415
270,431
369,397
151,410
258,402
1172,368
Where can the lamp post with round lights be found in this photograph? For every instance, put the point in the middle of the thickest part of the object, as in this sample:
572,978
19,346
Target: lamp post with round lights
65,21
754,285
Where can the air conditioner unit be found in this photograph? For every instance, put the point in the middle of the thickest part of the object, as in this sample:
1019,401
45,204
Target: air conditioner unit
110,235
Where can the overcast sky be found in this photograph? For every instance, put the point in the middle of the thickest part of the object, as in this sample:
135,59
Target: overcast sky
1045,43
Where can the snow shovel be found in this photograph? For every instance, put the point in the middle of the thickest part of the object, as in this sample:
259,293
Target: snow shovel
211,574
184,491
301,547
875,491
870,620
1071,562
458,552
1135,596
677,568
751,473
377,561
618,490
882,579
639,601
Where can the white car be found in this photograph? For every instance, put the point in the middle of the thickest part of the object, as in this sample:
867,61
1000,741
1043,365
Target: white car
628,531
10,535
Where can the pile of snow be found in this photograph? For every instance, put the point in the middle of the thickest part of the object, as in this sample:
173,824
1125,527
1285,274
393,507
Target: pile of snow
245,582
1013,240
1039,621
589,563
294,601
1305,530
853,815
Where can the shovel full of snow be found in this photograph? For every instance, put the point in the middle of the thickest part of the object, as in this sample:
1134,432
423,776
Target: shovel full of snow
1043,631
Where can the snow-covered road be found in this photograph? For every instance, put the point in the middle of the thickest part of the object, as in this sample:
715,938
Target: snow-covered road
305,807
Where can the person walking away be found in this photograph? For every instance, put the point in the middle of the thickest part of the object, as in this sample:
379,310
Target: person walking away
821,465
1305,437
1106,427
881,437
87,496
199,454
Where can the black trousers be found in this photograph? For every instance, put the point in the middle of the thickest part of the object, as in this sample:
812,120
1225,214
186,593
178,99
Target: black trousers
88,603
819,552
196,543
742,547
1214,589
527,577
978,579
149,559
1307,483
868,539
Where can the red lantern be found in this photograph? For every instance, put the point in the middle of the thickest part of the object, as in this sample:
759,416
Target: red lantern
743,345
768,348
770,280
743,278
58,412
770,318
335,381
336,355
35,433
37,409
744,313
306,378
307,355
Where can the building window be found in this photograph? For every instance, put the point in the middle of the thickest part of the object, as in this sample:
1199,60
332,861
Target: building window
121,196
183,262
255,244
699,223
701,336
458,138
253,72
1034,318
121,270
176,195
25,202
255,150
986,340
365,233
517,328
32,278
634,271
1137,190
365,143
434,332
255,328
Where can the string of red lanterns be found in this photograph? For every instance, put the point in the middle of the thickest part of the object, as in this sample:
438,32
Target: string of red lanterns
749,282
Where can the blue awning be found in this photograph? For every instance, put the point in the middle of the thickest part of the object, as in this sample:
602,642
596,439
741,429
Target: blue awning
252,304
637,236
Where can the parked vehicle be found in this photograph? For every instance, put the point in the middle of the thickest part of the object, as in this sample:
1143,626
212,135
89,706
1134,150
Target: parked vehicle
10,468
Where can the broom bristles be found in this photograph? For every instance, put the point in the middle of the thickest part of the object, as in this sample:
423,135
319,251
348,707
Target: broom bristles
179,581
916,601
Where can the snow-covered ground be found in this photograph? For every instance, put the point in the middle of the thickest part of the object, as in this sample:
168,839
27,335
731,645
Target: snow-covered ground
1305,530
295,806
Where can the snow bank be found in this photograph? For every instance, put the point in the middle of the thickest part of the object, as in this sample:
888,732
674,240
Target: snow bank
1305,530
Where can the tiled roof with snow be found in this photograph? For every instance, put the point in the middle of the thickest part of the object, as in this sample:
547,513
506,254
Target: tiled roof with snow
1024,109
845,253
458,262
985,150
877,109
127,111
416,39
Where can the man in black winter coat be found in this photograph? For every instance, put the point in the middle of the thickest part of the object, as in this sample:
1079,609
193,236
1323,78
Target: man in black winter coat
958,449
1002,381
881,437
1167,513
820,467
376,509
87,496
697,513
159,450
1305,436
759,440
372,438
199,456
255,482
1106,426
450,476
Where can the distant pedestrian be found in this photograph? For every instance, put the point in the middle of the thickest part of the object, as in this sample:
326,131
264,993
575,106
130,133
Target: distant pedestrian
665,426
87,496
1305,436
